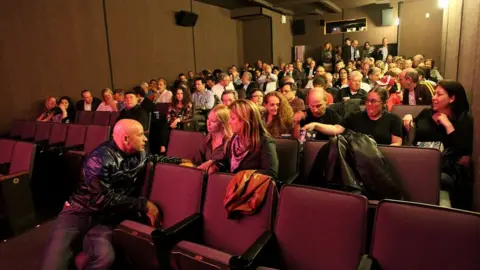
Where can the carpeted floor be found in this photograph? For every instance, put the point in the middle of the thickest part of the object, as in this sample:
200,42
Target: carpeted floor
25,251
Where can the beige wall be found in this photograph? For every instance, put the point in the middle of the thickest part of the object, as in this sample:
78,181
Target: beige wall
282,39
60,47
418,34
48,52
218,38
375,31
314,39
257,40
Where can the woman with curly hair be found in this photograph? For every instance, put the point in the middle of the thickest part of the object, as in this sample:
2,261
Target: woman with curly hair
278,117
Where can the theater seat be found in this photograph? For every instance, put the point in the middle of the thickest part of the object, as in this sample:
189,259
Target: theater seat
225,243
101,118
288,152
17,128
184,144
414,110
84,118
178,193
28,132
416,237
319,229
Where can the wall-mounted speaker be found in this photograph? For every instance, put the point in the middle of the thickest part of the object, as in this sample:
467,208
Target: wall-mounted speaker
298,27
185,18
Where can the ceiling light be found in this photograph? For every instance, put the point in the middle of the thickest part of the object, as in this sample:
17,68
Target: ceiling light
427,15
397,21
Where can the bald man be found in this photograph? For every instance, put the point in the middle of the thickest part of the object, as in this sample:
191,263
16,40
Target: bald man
111,175
317,112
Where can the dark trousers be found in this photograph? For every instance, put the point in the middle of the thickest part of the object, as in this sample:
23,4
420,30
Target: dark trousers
73,229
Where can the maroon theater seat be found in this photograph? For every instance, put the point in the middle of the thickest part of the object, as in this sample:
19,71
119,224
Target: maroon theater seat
17,202
58,134
17,128
418,169
75,136
113,118
162,109
414,110
42,133
6,151
28,132
178,193
84,118
319,229
184,144
95,136
416,237
101,118
225,241
288,152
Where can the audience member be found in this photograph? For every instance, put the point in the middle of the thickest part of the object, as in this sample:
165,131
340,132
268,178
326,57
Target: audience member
119,97
353,91
219,133
414,93
251,147
108,104
68,113
162,95
144,102
50,110
382,126
223,83
278,117
134,111
288,90
228,97
247,85
321,82
89,103
202,98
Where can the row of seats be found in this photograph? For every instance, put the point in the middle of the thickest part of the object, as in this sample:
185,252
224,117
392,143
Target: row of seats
70,136
311,228
418,169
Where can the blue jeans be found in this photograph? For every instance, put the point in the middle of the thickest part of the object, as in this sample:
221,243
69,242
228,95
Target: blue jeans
73,224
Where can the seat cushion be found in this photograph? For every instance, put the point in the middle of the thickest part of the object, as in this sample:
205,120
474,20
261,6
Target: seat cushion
81,260
189,255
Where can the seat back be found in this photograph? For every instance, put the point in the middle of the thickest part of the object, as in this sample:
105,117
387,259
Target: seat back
184,144
22,157
43,132
288,152
310,151
84,118
418,169
229,235
17,128
58,134
101,118
28,132
6,150
113,118
75,135
162,109
320,229
414,110
95,135
178,192
416,236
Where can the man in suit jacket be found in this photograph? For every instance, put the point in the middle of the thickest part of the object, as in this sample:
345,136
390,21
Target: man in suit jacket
350,52
245,89
134,111
414,92
88,103
144,102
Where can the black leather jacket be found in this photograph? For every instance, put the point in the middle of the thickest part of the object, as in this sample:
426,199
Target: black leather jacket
110,177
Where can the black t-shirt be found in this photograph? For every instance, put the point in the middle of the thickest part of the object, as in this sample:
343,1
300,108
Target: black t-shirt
381,129
330,118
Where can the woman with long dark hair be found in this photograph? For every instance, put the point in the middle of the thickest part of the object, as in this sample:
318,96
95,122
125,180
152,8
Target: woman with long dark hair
68,111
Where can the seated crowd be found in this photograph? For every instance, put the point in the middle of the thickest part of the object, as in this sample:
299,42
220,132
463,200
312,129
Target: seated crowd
244,110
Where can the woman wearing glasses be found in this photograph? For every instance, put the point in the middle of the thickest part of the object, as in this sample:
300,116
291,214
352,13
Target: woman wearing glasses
376,121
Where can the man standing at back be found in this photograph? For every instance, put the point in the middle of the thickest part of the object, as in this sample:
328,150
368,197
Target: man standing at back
111,175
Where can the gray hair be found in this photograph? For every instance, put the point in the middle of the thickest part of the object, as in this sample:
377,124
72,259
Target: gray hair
355,74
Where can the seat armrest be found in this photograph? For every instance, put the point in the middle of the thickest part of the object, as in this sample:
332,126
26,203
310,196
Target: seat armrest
368,263
291,179
15,175
179,231
248,257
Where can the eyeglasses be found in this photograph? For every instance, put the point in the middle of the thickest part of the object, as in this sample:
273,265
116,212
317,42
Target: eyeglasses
372,101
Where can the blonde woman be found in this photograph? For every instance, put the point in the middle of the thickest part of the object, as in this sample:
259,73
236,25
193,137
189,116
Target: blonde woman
279,115
251,146
219,133
108,104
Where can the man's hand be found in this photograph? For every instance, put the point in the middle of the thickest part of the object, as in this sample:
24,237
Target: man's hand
309,127
152,213
299,116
